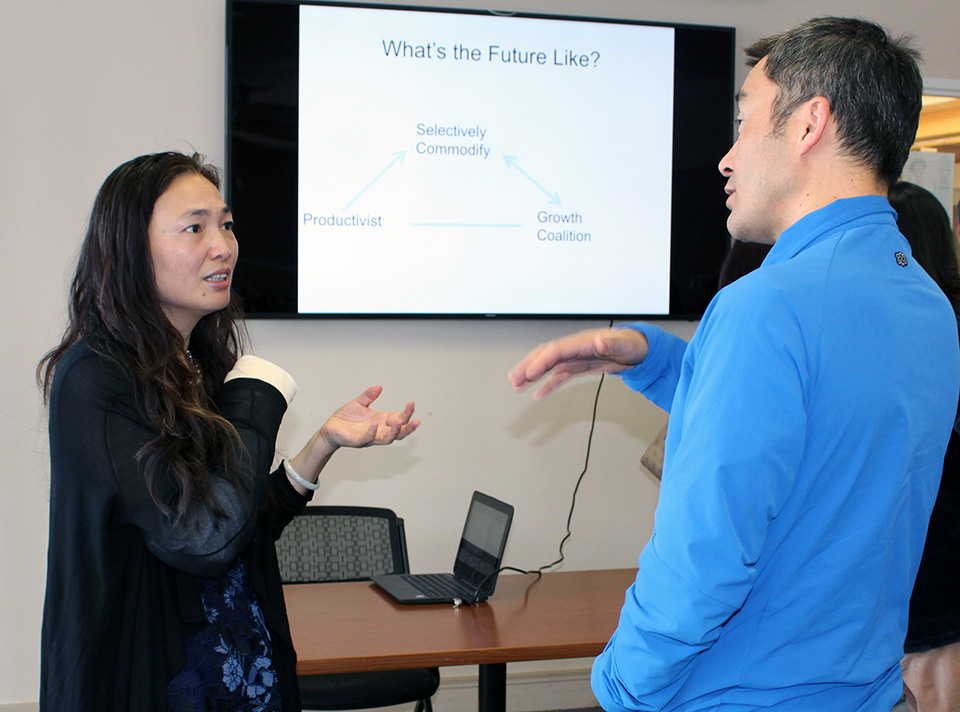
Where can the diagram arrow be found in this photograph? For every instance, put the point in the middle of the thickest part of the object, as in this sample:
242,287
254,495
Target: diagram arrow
400,155
512,163
451,224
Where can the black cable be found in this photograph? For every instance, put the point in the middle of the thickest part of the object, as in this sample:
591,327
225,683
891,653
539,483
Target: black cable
573,503
576,487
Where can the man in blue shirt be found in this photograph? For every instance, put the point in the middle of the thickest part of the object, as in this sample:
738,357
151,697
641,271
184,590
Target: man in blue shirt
809,414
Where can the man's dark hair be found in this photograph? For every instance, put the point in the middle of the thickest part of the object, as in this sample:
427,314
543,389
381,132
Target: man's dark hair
871,80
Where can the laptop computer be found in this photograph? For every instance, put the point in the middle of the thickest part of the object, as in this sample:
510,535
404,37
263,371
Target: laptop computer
477,564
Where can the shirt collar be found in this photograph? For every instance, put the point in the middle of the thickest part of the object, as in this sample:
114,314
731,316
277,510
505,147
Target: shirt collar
843,214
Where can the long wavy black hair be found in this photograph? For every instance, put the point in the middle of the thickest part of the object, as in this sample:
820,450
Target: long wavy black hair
925,223
114,300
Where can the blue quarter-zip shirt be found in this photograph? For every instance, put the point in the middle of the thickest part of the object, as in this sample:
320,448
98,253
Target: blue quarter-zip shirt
809,416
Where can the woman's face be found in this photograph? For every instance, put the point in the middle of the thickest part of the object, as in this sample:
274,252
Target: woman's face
193,249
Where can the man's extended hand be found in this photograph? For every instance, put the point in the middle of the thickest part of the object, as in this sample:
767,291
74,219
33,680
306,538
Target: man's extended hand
590,351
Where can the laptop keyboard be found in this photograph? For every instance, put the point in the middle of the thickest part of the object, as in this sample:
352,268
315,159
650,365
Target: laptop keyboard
434,584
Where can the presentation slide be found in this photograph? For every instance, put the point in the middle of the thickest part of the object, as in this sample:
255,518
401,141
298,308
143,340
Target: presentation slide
447,159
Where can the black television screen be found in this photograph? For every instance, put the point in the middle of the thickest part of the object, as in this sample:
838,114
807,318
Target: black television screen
398,161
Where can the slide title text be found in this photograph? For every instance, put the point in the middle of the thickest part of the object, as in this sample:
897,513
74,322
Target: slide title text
493,53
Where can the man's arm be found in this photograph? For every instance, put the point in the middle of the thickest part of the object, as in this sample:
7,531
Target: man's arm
734,448
647,358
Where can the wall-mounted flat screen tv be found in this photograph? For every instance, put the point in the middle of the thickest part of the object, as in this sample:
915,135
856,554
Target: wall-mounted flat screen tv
406,161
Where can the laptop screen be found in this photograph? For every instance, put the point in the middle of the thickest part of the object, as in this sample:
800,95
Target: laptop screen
484,538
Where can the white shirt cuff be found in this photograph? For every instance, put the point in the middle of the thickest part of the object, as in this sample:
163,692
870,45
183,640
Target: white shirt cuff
263,370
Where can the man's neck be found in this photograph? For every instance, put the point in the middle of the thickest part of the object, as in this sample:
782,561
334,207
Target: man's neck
835,180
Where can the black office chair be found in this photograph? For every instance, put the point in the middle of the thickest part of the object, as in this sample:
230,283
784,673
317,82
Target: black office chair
324,544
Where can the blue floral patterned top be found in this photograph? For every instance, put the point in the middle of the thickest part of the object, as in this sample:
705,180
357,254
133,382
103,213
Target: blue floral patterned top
230,662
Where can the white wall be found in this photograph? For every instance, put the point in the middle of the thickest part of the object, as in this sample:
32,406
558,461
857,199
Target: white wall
87,85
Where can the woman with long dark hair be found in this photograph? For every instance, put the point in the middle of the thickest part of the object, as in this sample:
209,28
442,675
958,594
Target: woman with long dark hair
931,664
163,592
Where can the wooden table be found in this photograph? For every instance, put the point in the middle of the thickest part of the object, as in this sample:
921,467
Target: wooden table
349,627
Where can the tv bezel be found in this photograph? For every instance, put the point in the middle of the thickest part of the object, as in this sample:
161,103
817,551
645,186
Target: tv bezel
260,179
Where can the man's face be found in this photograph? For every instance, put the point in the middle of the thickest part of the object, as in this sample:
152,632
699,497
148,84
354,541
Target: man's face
760,173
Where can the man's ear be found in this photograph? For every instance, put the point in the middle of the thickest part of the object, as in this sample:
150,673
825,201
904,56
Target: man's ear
814,117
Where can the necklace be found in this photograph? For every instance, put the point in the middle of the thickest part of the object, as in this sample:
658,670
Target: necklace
196,367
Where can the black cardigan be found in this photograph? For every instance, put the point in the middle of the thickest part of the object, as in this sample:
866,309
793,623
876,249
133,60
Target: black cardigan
120,597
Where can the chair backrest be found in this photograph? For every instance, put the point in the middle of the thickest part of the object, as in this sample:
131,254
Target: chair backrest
341,544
